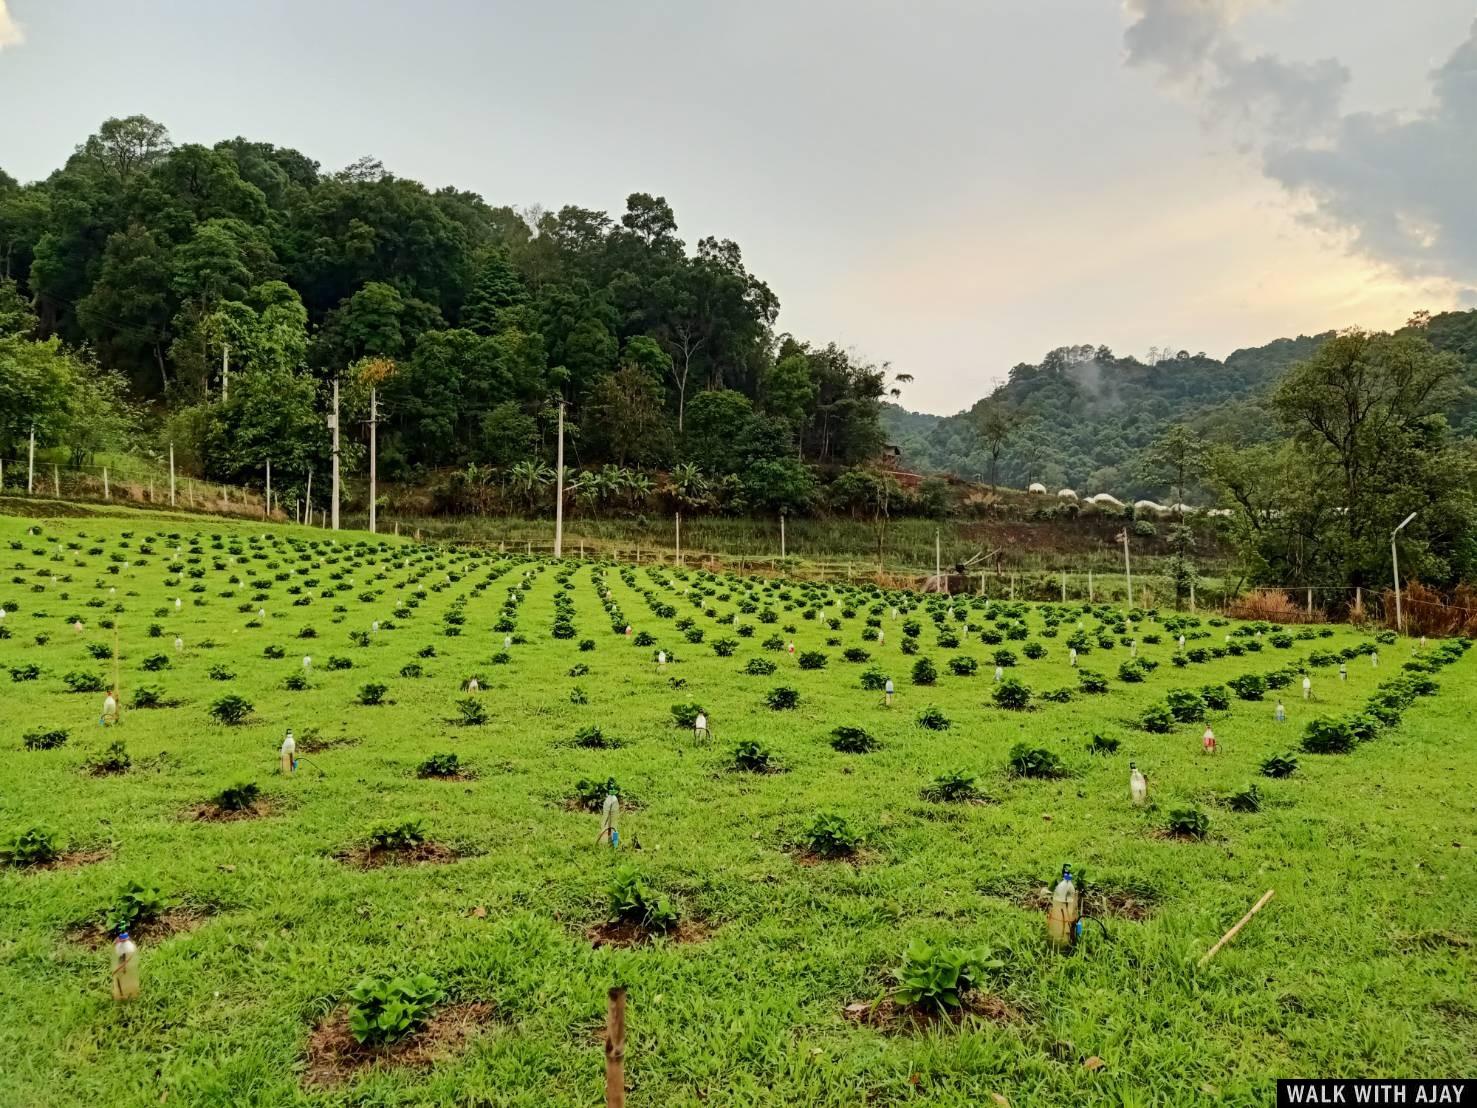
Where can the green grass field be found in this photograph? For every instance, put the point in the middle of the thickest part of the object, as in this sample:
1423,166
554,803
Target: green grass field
1362,965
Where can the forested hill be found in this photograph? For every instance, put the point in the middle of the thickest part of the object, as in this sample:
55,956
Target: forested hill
1083,417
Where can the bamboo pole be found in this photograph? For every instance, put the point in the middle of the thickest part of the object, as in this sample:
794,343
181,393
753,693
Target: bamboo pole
615,1049
1231,934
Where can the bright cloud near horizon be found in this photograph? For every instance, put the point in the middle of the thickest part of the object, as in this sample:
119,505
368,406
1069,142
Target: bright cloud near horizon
947,186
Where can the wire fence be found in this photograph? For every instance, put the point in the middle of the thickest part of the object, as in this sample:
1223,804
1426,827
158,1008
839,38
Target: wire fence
131,481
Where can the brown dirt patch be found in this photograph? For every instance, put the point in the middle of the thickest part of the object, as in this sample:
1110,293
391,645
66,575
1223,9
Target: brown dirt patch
370,857
173,922
888,1016
625,933
467,775
807,857
334,1057
317,744
213,813
72,859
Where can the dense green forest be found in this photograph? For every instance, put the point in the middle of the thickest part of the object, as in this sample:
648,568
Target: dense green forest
158,297
221,287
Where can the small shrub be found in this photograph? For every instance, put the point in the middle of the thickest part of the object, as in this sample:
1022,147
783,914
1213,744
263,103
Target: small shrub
685,715
1157,720
931,719
83,682
831,836
1012,694
874,680
963,666
955,786
1186,705
592,737
397,836
633,901
32,847
1131,672
759,667
1004,658
724,648
1216,698
471,712
1091,683
855,654
1248,799
296,682
853,740
782,699
273,652
136,904
591,794
372,694
1103,744
337,661
935,980
812,659
45,740
412,669
1328,736
113,760
579,669
924,672
1249,686
384,1010
238,798
752,757
1029,761
231,710
440,765
1189,823
155,662
1279,765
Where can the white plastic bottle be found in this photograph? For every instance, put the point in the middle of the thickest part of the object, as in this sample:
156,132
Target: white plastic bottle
1065,911
287,756
1138,786
610,814
125,967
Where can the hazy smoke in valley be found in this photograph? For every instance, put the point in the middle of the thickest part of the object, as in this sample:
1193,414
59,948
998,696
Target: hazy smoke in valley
1398,183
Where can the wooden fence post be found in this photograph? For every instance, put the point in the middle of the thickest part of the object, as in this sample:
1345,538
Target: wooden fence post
615,1049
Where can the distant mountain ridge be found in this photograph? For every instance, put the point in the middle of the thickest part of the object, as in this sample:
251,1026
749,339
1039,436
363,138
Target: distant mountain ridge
1085,416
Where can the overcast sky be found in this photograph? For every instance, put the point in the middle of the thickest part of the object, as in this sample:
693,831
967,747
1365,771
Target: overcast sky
952,186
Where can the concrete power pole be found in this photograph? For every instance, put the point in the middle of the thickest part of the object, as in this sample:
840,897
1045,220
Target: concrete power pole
269,488
225,372
559,489
333,423
31,463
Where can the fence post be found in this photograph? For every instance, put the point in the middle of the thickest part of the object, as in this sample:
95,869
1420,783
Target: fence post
56,480
615,1049
107,493
1310,603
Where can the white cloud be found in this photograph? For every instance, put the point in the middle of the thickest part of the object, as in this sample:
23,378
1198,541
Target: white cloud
1397,185
10,31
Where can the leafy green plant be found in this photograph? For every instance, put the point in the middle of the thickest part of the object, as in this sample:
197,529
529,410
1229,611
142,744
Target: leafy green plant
28,672
155,662
384,1010
592,737
231,710
591,794
931,719
470,712
782,699
1157,720
220,673
1279,765
1034,761
952,787
632,900
1216,698
78,682
753,757
924,672
685,715
962,665
440,765
136,904
1131,671
1189,823
853,740
296,682
1328,736
113,760
373,694
1249,686
1186,705
812,659
831,836
935,980
45,740
874,680
1248,799
1012,694
1091,682
32,847
397,836
1103,744
238,798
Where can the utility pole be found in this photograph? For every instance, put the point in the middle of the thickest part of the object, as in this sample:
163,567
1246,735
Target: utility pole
559,488
782,534
308,501
31,462
1395,565
1127,569
269,488
373,424
938,563
334,424
171,475
679,538
225,372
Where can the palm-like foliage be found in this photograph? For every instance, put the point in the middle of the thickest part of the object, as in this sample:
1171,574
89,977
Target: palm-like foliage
528,478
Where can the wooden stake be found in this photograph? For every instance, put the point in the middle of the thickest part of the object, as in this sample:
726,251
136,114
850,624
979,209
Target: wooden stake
1231,934
615,1049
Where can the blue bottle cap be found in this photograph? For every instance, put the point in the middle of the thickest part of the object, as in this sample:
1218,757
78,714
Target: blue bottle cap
123,935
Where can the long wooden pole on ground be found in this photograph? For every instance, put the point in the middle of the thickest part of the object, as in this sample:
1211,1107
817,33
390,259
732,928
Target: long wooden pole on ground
615,1049
1231,934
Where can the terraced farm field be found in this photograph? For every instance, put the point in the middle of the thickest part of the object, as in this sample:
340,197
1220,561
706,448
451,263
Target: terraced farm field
773,876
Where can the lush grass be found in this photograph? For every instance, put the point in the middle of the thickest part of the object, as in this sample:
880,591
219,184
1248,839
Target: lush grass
1361,965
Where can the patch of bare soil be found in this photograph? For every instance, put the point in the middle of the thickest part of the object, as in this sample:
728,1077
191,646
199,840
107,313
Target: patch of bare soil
214,813
371,857
335,1057
73,859
890,1017
176,921
466,775
626,933
317,744
807,857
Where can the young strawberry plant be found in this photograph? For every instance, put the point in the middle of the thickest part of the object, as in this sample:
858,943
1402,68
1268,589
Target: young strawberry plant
782,699
853,740
1279,765
238,798
440,765
231,711
931,719
936,980
831,836
1029,761
397,836
1248,799
953,787
752,757
113,760
32,847
384,1010
1189,823
632,900
44,740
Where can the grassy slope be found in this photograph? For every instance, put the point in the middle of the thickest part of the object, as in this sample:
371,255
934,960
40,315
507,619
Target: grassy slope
1355,968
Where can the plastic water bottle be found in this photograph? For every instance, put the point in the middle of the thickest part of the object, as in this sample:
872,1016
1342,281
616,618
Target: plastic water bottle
610,813
1280,715
125,967
287,756
1207,741
1138,786
1063,918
